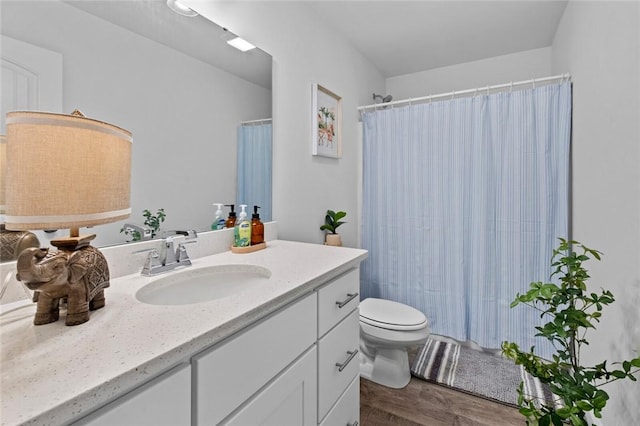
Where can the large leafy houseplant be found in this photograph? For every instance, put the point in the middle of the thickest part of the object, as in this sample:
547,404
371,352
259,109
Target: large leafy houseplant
572,310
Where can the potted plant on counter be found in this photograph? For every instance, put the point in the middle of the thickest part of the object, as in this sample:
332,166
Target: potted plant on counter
332,221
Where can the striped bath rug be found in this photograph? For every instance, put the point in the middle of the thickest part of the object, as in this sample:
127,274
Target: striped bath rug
488,375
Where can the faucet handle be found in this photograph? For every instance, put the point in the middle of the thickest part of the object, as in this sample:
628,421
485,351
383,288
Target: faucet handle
153,261
182,257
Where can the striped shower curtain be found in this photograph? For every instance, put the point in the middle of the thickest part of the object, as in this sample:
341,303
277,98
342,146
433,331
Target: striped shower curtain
254,168
463,202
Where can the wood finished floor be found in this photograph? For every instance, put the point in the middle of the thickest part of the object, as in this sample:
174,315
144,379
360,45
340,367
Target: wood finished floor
423,403
426,404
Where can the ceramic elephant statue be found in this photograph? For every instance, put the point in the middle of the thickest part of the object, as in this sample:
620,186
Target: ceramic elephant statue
79,276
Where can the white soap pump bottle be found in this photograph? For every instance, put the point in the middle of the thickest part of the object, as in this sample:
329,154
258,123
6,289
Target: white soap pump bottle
218,222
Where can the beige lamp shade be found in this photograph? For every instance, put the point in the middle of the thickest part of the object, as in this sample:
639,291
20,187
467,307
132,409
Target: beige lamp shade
3,175
65,171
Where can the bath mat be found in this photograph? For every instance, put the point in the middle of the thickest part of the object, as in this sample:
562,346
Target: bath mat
483,374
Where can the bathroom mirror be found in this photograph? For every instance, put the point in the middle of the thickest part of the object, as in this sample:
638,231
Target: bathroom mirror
171,80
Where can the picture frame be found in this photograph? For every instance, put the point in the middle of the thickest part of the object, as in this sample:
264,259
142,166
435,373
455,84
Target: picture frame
326,123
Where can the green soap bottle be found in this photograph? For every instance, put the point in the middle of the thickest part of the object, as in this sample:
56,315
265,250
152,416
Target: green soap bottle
242,230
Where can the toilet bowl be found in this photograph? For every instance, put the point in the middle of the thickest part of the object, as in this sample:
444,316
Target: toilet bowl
387,330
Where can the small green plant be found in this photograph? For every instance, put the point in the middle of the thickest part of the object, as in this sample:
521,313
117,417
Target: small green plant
154,221
572,310
151,220
332,221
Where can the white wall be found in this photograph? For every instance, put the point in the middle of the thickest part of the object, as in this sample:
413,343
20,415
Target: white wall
498,70
305,51
183,113
599,44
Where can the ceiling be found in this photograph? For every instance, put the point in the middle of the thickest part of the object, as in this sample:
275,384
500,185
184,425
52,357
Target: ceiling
195,36
398,37
403,37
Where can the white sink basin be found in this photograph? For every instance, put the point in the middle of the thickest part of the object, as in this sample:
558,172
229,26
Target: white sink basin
202,284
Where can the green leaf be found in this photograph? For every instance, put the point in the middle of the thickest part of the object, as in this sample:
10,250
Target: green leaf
544,420
618,374
583,405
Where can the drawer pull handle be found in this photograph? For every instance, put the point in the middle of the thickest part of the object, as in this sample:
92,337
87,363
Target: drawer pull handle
353,423
344,364
350,297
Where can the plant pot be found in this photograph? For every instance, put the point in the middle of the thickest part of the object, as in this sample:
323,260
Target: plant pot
333,240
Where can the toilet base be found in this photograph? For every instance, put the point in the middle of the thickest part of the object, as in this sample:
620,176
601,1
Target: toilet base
389,367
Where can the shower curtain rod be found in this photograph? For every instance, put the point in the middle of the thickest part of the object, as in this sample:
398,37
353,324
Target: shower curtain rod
475,91
250,122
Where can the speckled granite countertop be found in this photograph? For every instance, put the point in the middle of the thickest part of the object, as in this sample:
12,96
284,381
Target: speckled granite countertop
53,374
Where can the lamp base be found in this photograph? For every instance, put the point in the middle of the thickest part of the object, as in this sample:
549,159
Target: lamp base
13,242
73,243
77,275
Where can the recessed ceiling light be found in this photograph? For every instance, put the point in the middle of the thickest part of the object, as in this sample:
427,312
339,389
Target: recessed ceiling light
181,9
241,44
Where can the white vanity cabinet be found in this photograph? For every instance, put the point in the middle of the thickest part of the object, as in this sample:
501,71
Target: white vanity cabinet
281,353
265,374
165,400
297,367
338,345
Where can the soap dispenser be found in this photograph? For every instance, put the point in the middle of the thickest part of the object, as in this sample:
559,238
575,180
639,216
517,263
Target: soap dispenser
218,222
242,230
257,227
231,220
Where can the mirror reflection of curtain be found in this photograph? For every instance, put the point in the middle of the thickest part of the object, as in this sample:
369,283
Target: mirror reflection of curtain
463,203
254,167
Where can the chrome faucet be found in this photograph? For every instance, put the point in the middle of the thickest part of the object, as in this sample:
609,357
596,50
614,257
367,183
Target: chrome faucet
169,258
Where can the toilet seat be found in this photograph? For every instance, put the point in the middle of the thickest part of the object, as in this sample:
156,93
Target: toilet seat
391,315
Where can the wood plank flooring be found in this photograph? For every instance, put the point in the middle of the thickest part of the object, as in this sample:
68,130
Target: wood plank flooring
426,404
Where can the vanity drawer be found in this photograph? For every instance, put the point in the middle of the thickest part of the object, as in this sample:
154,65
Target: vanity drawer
337,299
229,373
338,361
346,412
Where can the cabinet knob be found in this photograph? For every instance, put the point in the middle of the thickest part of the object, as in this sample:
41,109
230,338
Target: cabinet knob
350,297
348,360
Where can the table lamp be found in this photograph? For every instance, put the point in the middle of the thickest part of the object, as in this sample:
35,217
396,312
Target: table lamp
65,172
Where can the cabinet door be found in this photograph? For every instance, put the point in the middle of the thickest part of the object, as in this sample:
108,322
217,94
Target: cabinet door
346,412
338,361
165,400
228,374
289,400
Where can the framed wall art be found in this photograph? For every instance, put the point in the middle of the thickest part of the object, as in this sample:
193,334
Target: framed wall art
326,123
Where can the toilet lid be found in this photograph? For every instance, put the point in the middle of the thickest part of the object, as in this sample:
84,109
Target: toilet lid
391,315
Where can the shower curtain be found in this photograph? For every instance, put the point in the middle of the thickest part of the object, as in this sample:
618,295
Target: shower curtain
254,168
463,202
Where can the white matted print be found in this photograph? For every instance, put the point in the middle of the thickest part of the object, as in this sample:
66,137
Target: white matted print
326,134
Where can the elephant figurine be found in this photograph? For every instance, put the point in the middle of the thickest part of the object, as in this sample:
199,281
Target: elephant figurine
80,276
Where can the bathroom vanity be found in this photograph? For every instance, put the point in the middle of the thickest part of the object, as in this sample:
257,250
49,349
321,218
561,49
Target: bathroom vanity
281,353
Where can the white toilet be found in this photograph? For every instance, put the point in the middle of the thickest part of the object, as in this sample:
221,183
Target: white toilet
387,330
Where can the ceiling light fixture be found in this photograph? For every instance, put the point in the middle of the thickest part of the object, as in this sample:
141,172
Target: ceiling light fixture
241,44
181,9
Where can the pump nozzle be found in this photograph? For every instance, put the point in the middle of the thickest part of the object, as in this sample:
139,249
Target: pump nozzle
255,212
243,213
232,213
